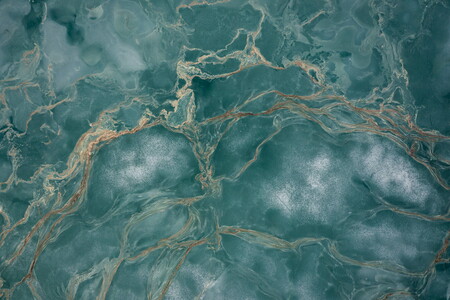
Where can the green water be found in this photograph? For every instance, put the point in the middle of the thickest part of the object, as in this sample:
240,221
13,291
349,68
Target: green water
259,149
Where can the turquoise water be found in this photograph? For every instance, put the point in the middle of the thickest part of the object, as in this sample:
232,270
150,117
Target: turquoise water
227,149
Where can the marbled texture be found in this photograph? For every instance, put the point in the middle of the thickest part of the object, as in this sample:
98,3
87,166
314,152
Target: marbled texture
224,149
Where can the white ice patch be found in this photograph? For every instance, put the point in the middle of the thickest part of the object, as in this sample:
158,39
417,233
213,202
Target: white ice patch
393,174
316,178
386,237
284,199
155,156
307,288
199,281
387,242
311,189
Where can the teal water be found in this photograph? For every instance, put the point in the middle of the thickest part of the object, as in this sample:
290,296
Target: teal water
224,149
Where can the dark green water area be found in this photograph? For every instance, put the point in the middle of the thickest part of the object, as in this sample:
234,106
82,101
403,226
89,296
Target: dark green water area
224,149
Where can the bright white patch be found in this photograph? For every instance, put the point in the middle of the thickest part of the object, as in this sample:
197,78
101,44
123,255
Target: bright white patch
387,242
308,288
284,199
202,280
393,174
155,156
311,188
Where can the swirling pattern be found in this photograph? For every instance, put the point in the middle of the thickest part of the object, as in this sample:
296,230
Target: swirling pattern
224,149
